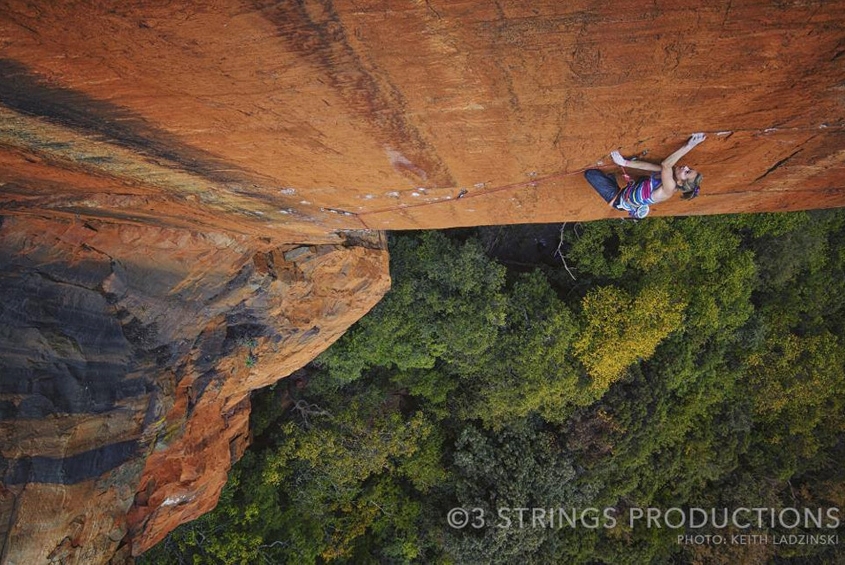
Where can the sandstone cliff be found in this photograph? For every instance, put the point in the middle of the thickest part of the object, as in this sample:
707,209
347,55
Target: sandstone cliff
189,194
128,356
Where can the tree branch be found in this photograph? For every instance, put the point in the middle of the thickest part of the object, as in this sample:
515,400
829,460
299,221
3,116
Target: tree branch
559,253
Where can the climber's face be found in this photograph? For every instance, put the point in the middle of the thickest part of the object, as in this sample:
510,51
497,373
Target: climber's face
684,174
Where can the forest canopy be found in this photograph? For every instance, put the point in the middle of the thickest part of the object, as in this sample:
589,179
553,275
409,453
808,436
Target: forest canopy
668,363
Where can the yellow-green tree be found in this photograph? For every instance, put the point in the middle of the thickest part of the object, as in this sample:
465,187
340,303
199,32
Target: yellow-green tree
620,329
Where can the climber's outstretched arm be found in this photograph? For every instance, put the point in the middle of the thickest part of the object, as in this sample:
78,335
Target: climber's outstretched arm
673,159
643,165
668,175
666,165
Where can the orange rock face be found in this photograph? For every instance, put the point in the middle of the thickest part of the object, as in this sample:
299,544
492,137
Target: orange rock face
191,195
129,353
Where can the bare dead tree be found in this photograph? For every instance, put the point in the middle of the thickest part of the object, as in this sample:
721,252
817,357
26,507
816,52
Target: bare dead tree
306,410
559,252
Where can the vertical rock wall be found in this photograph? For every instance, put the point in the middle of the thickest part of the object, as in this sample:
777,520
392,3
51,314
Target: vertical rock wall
127,354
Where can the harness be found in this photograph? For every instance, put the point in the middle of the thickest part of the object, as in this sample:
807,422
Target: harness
637,213
628,182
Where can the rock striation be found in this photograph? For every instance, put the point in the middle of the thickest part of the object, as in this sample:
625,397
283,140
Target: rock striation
192,197
128,356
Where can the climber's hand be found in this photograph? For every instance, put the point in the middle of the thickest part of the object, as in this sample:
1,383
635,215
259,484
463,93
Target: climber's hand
618,158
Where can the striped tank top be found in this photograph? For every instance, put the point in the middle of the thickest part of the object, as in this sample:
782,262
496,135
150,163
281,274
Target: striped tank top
636,196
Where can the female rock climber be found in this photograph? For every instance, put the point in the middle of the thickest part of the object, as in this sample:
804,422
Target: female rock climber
661,185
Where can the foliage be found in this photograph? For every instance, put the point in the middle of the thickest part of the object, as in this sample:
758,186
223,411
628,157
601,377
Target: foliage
432,313
798,405
517,467
694,362
621,329
533,369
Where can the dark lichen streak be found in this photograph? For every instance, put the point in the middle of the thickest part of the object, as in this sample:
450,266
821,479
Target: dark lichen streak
68,470
23,90
314,30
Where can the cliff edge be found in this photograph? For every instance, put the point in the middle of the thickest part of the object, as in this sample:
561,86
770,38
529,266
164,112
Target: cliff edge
192,196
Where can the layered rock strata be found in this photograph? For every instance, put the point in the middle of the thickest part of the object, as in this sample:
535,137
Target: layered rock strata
189,194
128,355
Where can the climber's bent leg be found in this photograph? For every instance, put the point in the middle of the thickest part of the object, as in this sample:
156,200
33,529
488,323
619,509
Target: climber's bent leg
604,184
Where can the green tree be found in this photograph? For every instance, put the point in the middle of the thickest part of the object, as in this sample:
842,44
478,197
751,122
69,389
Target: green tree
520,466
446,304
798,408
532,370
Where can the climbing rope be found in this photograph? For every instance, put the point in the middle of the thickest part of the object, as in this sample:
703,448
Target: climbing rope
598,165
